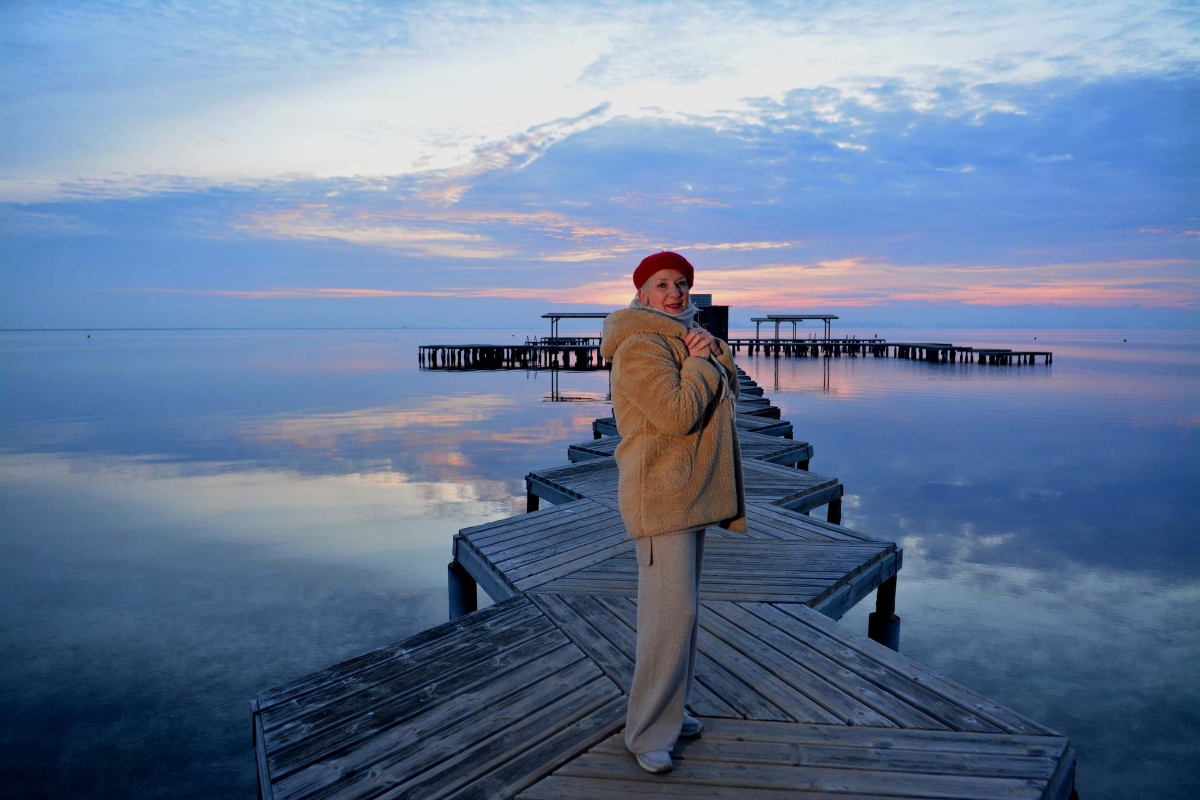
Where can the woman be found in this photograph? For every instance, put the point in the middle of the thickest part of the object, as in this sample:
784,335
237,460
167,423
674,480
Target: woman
674,397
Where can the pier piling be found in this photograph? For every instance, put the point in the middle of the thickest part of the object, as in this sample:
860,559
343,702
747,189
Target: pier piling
883,625
464,591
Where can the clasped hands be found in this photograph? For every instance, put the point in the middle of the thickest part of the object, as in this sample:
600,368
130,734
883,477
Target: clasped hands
699,342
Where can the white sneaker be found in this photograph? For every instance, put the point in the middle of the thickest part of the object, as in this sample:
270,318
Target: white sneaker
656,761
692,727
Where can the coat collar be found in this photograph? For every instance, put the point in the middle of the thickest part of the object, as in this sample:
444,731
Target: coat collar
620,325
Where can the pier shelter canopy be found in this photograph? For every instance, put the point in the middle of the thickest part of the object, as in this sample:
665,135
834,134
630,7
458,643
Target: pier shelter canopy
827,319
554,318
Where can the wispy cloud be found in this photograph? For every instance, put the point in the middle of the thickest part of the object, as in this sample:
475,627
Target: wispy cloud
736,246
857,281
512,152
320,221
230,92
45,223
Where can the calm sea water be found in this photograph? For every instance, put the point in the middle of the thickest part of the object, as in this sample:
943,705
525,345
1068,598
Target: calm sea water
190,517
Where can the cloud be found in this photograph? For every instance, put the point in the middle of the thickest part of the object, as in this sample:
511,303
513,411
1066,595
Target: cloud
513,152
19,222
856,281
231,93
319,221
418,226
736,246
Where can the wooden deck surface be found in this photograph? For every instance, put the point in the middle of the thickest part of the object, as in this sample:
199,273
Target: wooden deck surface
527,698
766,483
746,423
753,445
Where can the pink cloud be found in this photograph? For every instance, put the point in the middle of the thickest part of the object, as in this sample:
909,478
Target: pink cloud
851,281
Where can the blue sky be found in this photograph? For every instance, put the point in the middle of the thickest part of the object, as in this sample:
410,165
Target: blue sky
224,164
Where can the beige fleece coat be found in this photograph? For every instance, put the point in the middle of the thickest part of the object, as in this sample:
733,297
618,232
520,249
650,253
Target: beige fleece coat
679,462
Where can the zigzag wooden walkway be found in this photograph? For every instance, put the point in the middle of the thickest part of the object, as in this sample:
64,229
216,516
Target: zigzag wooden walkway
527,698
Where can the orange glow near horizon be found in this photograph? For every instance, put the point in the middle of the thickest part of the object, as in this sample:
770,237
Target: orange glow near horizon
854,281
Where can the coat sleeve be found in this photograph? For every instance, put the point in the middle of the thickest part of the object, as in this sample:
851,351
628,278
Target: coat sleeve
725,356
674,399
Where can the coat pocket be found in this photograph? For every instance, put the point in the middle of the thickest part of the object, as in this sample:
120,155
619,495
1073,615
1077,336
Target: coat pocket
667,469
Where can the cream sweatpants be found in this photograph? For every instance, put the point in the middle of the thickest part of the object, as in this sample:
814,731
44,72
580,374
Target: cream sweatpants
668,626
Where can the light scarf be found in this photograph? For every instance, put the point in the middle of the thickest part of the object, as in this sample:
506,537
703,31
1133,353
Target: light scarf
687,315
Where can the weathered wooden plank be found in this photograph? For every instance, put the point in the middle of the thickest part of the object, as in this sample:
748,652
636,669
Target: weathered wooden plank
567,530
857,586
612,619
898,710
364,715
259,742
486,574
769,427
616,663
566,587
570,586
780,694
445,635
611,544
497,532
481,534
815,688
498,537
803,777
753,445
717,679
998,743
565,571
790,524
994,713
550,492
505,631
559,787
853,658
443,730
561,539
789,518
470,770
1061,785
517,773
858,756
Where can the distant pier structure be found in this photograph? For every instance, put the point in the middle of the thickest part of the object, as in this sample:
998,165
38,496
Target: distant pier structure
556,351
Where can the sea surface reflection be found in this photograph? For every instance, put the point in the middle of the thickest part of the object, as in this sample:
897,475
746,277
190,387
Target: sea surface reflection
1049,517
192,516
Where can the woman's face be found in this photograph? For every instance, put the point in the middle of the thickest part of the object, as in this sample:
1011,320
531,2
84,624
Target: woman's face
667,290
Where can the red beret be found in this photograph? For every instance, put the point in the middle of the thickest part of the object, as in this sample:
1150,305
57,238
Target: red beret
664,260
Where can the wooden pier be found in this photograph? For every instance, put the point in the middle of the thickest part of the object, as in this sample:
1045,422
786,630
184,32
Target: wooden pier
935,352
584,353
527,698
581,353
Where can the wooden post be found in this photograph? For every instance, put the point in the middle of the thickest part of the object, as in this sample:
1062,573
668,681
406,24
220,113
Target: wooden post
532,501
883,625
464,594
802,464
835,511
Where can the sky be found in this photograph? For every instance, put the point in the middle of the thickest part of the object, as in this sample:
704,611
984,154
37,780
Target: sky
343,164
